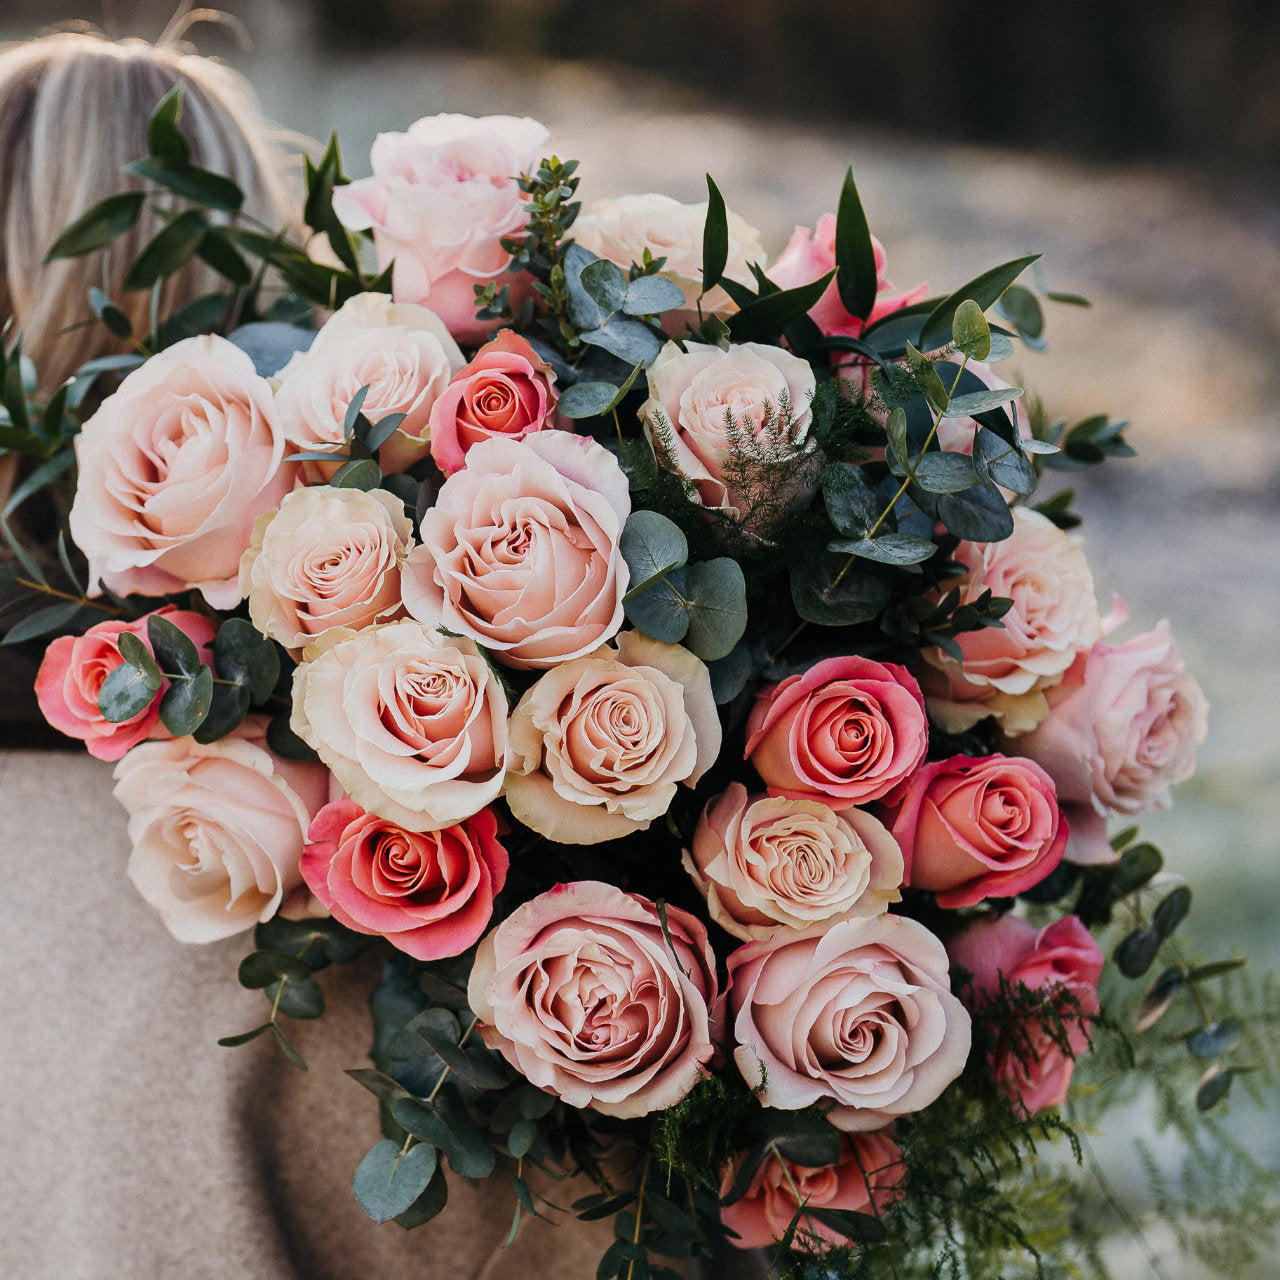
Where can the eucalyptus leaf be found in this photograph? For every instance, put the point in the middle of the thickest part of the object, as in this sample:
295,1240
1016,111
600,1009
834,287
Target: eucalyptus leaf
888,548
428,1205
1001,349
55,617
979,514
282,1041
945,472
652,545
383,1087
1159,996
174,650
1136,953
896,434
652,295
584,311
136,654
382,430
187,702
661,611
852,503
125,693
241,653
1216,1039
587,399
970,331
270,344
363,474
717,594
729,675
1214,1086
606,283
976,402
261,968
387,1182
299,998
983,290
98,225
1172,911
1021,308
1000,463
243,1037
928,380
859,596
630,340
285,743
115,320
447,1124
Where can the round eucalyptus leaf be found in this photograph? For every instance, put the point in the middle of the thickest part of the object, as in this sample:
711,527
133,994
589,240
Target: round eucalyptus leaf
945,472
136,654
187,702
729,675
243,654
717,596
1135,954
970,331
605,283
661,612
1172,911
228,706
652,546
1000,463
888,548
284,742
852,503
174,649
270,344
1159,996
1214,1086
859,596
1216,1039
651,295
587,399
979,514
363,473
386,1182
125,693
301,998
1137,865
629,340
261,968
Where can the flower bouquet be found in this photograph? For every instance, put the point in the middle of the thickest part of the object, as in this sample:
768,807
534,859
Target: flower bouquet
665,659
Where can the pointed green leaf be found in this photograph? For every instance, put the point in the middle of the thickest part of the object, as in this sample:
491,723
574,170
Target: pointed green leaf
1159,996
764,318
715,238
115,320
98,225
170,249
927,379
860,1227
230,1042
165,140
383,1087
363,474
282,1042
218,251
1214,1086
983,289
1172,911
209,189
856,277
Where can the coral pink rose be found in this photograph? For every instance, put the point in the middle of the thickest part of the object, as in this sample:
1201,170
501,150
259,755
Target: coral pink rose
588,996
1122,728
217,829
764,390
1033,1060
325,558
505,390
402,353
766,863
429,893
845,732
867,1178
74,667
412,723
600,743
979,827
520,551
1006,669
175,467
859,1013
441,199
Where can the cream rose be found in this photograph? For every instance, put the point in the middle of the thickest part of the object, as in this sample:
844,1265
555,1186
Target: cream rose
600,743
413,724
175,467
218,830
768,863
520,551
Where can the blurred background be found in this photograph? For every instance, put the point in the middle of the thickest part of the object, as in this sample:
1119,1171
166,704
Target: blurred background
1135,144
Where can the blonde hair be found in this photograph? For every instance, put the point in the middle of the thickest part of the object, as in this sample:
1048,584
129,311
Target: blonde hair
73,111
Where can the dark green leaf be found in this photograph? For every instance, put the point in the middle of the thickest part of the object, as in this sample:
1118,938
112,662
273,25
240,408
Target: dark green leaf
999,462
535,1103
115,320
606,283
1159,996
318,942
228,706
979,514
1172,911
446,1124
1216,969
98,225
209,189
285,743
428,1205
381,1086
945,472
717,594
382,430
983,289
174,650
1216,1039
764,318
1020,307
299,998
661,611
164,139
861,1227
1214,1086
970,331
241,653
715,238
125,693
976,402
856,276
729,675
230,1042
896,436
218,251
521,1138
651,545
928,380
394,1002
804,1138
1137,865
53,618
261,968
386,1182
630,340
587,399
852,503
860,595
888,548
170,248
475,1066
363,474
282,1041
1136,953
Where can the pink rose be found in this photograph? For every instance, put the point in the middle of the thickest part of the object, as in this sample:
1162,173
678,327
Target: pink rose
859,1013
1006,669
845,732
504,391
520,551
429,893
600,743
867,1178
217,829
1033,1059
770,863
979,827
587,996
764,390
74,667
175,467
412,723
1122,728
441,199
325,558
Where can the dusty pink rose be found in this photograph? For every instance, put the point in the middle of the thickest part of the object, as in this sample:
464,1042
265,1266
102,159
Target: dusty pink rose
326,558
765,390
412,723
1122,728
74,667
979,827
217,829
441,199
175,467
401,352
429,893
867,1178
766,863
1034,1060
505,390
859,1013
587,996
846,732
600,743
1007,669
520,551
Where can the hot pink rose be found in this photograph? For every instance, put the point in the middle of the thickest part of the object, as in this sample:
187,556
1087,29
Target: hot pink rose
845,732
504,391
867,1178
520,551
1122,728
587,996
441,199
74,667
1034,1060
429,893
979,827
859,1013
175,467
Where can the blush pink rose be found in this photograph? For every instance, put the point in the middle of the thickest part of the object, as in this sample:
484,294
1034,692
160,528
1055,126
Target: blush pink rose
174,468
217,829
868,1178
767,863
858,1013
846,732
74,667
441,199
505,390
587,996
1122,729
1033,1060
429,893
599,744
979,827
520,551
